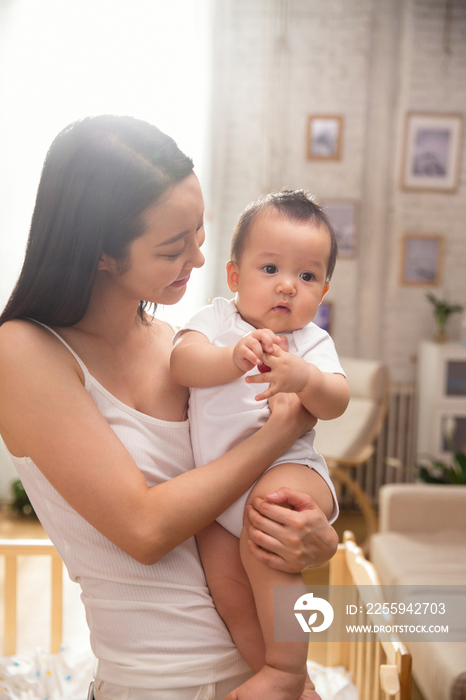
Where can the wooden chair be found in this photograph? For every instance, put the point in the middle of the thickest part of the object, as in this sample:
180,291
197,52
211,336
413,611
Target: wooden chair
10,550
349,441
380,670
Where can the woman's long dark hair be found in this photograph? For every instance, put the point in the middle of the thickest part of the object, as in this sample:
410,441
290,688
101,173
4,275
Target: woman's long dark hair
99,176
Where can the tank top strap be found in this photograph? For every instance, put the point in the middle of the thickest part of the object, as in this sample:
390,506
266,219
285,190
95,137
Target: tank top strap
174,328
68,347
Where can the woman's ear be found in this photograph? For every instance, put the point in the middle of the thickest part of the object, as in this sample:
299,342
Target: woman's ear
232,275
326,288
106,263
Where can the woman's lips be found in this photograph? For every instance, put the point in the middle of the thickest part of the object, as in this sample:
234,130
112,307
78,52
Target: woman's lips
181,282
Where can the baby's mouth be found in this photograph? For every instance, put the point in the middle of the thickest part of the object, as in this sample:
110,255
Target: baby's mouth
281,309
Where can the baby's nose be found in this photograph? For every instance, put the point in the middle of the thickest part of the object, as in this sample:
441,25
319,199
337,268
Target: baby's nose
286,286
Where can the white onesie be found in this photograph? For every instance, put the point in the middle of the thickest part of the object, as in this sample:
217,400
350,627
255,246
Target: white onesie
223,416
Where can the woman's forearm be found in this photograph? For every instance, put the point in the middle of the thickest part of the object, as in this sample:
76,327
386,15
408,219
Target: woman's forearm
179,508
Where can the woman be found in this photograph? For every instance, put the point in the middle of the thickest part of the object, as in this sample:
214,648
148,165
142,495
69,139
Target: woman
97,428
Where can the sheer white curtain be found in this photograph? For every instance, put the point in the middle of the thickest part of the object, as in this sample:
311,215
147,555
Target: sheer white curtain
65,59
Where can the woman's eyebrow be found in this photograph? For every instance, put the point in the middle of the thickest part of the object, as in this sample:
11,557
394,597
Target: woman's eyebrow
172,240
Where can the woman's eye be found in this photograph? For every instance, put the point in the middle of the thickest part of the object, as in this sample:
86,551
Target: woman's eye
200,234
307,276
270,269
173,256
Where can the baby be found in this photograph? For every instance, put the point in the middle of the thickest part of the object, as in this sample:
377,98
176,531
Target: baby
282,259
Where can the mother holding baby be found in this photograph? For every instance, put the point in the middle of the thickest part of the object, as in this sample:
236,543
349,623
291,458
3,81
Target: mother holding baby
97,428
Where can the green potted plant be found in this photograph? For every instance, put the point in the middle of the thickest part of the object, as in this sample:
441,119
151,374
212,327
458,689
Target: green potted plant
442,312
434,471
21,503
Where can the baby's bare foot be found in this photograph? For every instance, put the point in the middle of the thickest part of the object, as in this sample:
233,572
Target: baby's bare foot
273,684
309,692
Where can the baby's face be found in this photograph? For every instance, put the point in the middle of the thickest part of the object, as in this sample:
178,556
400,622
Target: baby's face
280,279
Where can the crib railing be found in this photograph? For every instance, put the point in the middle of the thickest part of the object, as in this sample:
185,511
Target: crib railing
10,550
379,669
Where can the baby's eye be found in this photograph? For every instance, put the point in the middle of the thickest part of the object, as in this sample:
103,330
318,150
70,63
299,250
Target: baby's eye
307,276
270,269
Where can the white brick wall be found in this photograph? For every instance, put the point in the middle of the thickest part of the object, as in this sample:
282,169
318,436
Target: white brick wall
277,61
435,82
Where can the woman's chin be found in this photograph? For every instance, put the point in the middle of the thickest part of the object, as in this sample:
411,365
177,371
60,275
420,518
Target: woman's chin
176,294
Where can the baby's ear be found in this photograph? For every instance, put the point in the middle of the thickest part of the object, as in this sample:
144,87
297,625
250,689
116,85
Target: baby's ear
232,275
326,288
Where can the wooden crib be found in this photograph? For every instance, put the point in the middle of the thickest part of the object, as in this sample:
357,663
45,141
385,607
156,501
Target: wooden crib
379,670
10,550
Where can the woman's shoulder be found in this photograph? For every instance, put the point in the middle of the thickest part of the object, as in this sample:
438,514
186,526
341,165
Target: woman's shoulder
20,333
24,345
164,328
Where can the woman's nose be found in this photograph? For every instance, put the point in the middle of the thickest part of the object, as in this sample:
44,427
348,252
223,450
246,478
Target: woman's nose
196,258
199,258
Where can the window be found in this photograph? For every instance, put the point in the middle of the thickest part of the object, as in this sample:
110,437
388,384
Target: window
64,59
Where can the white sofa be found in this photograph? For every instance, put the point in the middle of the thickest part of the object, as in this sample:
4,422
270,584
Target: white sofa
422,540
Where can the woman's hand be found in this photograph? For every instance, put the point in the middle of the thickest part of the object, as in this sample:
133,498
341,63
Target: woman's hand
289,412
289,532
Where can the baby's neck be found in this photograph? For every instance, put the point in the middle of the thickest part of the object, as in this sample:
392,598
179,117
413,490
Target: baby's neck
288,330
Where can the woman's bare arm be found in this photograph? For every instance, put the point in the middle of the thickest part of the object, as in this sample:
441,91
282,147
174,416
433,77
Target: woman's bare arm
46,414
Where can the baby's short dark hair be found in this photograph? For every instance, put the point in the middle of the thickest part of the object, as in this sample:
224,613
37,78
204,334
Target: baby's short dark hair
297,205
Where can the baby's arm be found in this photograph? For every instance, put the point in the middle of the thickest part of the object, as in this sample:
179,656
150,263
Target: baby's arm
195,362
325,395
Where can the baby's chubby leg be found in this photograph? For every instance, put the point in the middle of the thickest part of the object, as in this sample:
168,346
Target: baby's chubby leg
284,675
231,591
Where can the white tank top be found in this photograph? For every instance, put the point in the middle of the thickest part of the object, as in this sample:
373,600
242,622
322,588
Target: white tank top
150,626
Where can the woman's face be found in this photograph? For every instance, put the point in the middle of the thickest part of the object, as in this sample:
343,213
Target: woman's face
160,261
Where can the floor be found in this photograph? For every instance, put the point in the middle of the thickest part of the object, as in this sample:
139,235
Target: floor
75,630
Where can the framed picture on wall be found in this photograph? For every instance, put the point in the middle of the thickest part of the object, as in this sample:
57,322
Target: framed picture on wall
422,259
432,152
343,215
323,317
449,426
324,137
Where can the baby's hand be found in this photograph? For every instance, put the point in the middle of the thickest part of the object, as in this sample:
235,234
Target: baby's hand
249,351
288,373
